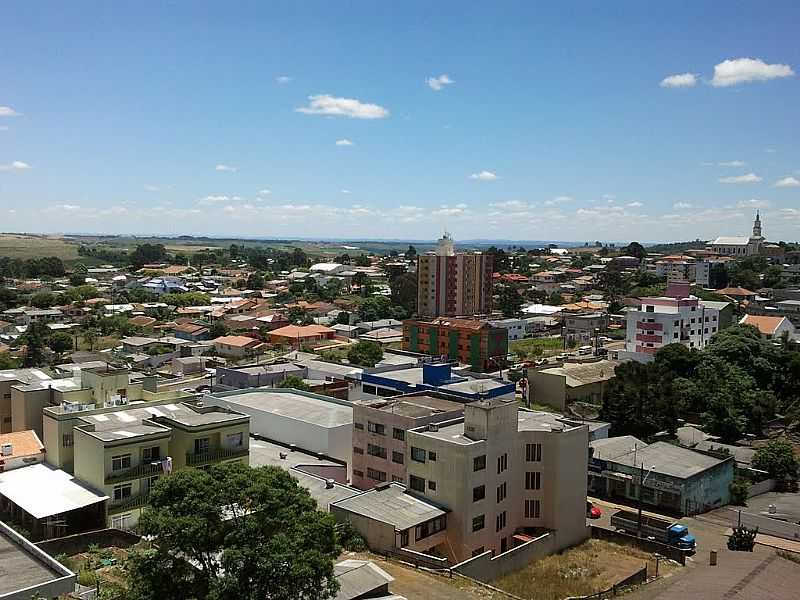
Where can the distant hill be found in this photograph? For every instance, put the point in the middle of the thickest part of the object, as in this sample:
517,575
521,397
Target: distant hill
676,247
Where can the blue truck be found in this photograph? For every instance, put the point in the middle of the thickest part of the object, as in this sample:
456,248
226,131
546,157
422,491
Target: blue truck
665,531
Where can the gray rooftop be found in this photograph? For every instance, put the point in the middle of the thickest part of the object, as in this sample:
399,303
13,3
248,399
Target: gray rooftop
414,406
292,404
23,566
391,504
359,579
611,448
24,375
577,374
664,458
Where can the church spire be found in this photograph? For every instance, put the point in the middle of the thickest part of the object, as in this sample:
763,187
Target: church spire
757,226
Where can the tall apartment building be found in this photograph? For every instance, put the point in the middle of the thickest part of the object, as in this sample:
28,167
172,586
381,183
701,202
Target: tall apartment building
479,344
500,471
453,284
675,318
123,450
680,267
379,433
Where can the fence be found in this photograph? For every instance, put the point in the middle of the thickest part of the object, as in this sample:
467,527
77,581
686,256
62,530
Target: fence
762,487
639,577
485,567
80,542
767,525
418,559
610,535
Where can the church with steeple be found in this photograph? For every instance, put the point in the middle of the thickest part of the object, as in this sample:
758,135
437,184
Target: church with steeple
739,246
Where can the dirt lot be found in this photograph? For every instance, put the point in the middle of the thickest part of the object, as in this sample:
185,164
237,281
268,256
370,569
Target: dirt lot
591,567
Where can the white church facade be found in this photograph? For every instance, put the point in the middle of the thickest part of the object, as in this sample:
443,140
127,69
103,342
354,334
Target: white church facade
739,246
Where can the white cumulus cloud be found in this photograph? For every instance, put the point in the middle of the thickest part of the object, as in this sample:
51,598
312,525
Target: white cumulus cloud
681,205
264,192
732,163
749,178
752,203
226,168
7,111
438,83
344,142
678,81
788,182
484,176
345,191
325,104
16,165
283,79
635,204
745,70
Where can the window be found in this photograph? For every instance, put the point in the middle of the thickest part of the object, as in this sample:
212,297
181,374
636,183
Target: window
67,440
368,389
416,483
376,428
358,473
121,521
234,440
404,538
151,454
431,485
201,446
357,450
359,426
531,509
676,323
478,493
122,491
432,455
500,522
399,434
430,527
397,479
118,463
501,492
418,454
478,551
533,452
398,457
374,450
376,475
502,463
479,463
478,522
533,480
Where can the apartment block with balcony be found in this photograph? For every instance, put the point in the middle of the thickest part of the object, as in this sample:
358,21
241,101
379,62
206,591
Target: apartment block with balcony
123,450
379,433
675,318
503,475
479,344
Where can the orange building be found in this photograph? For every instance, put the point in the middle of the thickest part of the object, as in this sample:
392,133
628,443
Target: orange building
469,341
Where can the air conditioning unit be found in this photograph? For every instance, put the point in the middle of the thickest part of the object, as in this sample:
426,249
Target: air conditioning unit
433,427
7,449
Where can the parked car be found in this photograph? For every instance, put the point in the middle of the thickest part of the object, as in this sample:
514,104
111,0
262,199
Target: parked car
592,512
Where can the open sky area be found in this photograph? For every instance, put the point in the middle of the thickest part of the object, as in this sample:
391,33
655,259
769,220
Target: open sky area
500,120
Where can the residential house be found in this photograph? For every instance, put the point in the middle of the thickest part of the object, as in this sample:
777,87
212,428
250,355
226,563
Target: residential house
297,336
771,327
20,449
237,346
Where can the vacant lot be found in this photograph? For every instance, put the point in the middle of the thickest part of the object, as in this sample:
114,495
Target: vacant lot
536,347
33,246
591,567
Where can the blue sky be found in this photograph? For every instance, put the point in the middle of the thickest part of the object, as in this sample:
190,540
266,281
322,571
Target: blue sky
504,120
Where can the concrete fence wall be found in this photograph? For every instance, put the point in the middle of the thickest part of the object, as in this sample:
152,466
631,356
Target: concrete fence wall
762,487
767,525
80,542
418,559
610,535
485,567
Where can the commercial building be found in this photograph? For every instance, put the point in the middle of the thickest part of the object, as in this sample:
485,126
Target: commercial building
434,377
122,450
677,480
452,284
502,474
257,376
319,424
573,381
675,318
478,344
379,433
584,327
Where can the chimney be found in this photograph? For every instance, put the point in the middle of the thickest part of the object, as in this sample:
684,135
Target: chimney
329,484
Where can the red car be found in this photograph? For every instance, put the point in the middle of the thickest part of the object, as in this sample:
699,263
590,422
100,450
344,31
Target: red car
592,512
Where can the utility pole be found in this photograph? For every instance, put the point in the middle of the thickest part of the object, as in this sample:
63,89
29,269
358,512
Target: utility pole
639,520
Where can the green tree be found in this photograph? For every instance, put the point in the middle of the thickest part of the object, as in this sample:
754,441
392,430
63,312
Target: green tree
60,342
365,354
249,534
404,291
43,300
411,253
7,361
509,302
218,329
294,382
635,249
255,281
35,340
343,318
777,458
739,489
375,308
186,299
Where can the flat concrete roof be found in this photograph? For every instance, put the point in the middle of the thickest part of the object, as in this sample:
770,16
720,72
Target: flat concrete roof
392,505
664,458
22,567
316,410
584,373
416,406
43,491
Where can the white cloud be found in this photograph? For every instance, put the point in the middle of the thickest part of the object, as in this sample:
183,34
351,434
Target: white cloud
635,204
752,203
770,150
325,104
283,79
226,168
788,182
438,83
344,142
16,165
450,211
678,81
7,111
791,214
151,188
681,205
749,178
345,191
745,70
264,192
561,200
218,199
484,176
732,163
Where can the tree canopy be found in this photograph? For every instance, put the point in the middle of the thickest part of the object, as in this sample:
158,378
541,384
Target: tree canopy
234,532
365,354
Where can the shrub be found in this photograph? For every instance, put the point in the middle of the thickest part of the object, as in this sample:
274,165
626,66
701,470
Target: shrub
739,489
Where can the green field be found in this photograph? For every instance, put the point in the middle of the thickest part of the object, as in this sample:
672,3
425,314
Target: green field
33,246
536,347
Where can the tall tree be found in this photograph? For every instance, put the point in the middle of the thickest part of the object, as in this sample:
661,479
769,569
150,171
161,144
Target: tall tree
509,302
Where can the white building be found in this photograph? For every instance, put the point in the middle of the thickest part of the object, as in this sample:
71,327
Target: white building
682,268
503,474
739,246
675,318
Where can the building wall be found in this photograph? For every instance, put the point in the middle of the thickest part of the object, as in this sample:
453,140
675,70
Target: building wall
26,409
468,346
548,389
182,442
460,284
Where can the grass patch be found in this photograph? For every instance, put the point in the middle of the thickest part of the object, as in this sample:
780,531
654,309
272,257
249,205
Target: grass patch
36,246
536,347
588,568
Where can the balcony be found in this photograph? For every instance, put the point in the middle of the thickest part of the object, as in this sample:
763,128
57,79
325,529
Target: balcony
137,472
129,503
641,337
215,455
649,326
